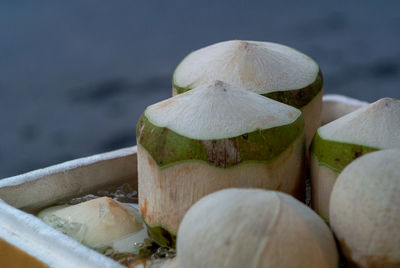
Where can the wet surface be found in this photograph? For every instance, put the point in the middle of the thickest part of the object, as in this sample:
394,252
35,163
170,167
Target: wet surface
146,251
76,75
124,193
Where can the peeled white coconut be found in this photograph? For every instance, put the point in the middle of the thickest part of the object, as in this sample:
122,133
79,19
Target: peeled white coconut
335,106
272,70
254,228
98,223
373,127
208,139
365,210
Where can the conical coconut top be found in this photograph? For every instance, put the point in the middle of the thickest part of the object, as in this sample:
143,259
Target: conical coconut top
219,110
260,67
101,220
376,125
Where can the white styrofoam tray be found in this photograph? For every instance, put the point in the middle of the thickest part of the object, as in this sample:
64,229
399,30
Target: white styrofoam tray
28,193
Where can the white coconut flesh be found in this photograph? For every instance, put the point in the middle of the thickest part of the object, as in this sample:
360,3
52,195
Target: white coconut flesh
260,67
98,223
254,228
365,210
214,117
373,127
219,110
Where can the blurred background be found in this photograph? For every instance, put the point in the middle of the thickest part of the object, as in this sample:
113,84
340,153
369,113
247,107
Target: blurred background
76,75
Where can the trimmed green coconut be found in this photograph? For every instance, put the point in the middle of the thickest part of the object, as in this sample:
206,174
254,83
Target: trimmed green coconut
336,144
209,139
254,228
269,69
365,210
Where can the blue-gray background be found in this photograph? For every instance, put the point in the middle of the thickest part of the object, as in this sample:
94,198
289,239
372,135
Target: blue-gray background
76,75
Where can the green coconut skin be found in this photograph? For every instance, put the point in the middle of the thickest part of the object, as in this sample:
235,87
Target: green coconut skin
168,147
161,235
297,97
337,155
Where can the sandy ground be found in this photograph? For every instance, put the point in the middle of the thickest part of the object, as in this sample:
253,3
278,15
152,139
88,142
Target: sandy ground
76,75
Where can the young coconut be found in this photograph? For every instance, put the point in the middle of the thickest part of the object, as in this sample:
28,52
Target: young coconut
254,228
272,70
98,223
335,106
373,127
213,137
365,210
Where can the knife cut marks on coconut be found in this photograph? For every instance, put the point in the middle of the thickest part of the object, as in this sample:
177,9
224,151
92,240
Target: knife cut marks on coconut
210,138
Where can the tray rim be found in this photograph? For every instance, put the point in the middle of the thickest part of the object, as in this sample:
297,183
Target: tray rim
37,239
52,248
